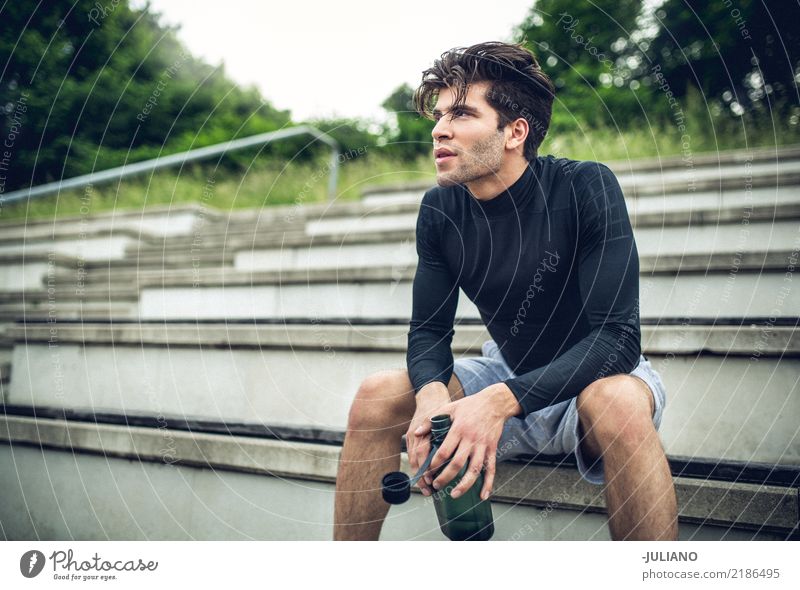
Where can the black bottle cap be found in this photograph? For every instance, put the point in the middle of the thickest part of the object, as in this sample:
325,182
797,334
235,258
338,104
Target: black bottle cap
396,487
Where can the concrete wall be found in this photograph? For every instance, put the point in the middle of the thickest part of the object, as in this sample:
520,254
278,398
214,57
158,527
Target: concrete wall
23,277
110,248
650,240
732,408
691,295
51,494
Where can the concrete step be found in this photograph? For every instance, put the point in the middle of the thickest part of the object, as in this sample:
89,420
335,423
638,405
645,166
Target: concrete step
362,250
88,248
710,160
651,240
722,285
100,282
651,227
665,209
645,185
738,157
733,203
250,228
222,235
5,378
725,176
706,178
210,486
657,224
107,236
689,232
69,310
346,218
31,272
152,222
732,391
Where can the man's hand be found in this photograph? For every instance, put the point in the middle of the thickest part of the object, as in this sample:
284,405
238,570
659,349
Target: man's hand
430,401
477,423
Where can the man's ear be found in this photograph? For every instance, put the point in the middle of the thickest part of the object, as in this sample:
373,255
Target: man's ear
517,133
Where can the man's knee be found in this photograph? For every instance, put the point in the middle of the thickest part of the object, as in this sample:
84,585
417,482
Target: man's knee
384,400
616,409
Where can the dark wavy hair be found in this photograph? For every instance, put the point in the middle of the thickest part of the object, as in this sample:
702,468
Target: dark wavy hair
517,85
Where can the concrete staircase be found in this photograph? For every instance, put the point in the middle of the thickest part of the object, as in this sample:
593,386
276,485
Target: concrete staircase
119,330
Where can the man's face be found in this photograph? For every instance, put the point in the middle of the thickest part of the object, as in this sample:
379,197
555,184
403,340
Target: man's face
470,133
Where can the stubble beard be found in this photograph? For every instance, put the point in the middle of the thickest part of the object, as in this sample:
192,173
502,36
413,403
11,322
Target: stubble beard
484,159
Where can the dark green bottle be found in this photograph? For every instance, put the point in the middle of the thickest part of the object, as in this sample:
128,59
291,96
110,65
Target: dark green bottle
466,518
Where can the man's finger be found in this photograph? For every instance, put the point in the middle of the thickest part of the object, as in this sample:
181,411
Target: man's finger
473,471
448,473
411,447
488,476
446,450
423,428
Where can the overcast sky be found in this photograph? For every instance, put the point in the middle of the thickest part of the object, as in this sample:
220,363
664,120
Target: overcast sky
335,58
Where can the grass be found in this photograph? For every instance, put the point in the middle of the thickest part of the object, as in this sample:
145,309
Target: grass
275,183
265,184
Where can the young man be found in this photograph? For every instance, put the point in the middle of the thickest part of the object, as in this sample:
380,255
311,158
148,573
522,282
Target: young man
545,250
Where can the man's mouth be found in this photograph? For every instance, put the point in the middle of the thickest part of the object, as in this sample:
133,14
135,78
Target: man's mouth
442,155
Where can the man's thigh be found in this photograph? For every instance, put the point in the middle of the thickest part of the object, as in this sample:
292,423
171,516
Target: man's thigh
454,387
473,374
556,429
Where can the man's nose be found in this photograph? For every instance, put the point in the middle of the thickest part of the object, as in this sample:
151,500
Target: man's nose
441,129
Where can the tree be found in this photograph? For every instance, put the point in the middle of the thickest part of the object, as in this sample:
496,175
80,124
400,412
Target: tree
411,137
87,89
585,48
743,54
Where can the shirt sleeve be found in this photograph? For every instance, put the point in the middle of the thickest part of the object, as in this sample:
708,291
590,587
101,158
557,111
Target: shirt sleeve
435,298
608,278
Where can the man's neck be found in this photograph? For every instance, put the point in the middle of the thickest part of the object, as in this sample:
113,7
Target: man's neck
488,187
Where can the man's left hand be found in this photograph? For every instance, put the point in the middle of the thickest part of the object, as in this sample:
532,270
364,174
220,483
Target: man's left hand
477,423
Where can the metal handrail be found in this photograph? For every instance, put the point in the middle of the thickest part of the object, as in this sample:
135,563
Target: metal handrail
181,158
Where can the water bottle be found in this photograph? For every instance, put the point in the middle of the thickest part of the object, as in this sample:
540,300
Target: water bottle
466,518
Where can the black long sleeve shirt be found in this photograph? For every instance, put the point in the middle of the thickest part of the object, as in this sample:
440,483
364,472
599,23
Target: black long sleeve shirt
552,266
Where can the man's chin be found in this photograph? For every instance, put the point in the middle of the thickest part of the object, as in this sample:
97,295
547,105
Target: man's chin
446,180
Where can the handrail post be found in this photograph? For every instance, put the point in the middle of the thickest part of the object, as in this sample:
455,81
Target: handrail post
333,175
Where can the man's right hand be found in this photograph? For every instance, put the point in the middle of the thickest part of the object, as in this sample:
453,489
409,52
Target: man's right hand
430,398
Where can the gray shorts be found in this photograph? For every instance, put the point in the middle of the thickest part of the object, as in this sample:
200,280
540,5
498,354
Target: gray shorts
553,430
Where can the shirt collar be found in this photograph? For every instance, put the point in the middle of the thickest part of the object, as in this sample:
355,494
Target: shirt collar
512,199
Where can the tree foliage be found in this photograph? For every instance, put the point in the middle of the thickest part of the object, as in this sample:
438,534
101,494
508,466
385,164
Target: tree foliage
86,86
744,54
84,94
583,47
621,62
410,136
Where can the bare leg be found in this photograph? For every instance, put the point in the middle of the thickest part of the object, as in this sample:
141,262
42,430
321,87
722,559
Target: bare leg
379,417
616,416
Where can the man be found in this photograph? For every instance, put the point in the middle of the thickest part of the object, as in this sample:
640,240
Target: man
545,250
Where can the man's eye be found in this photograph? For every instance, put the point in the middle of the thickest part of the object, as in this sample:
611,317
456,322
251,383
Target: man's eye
453,114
